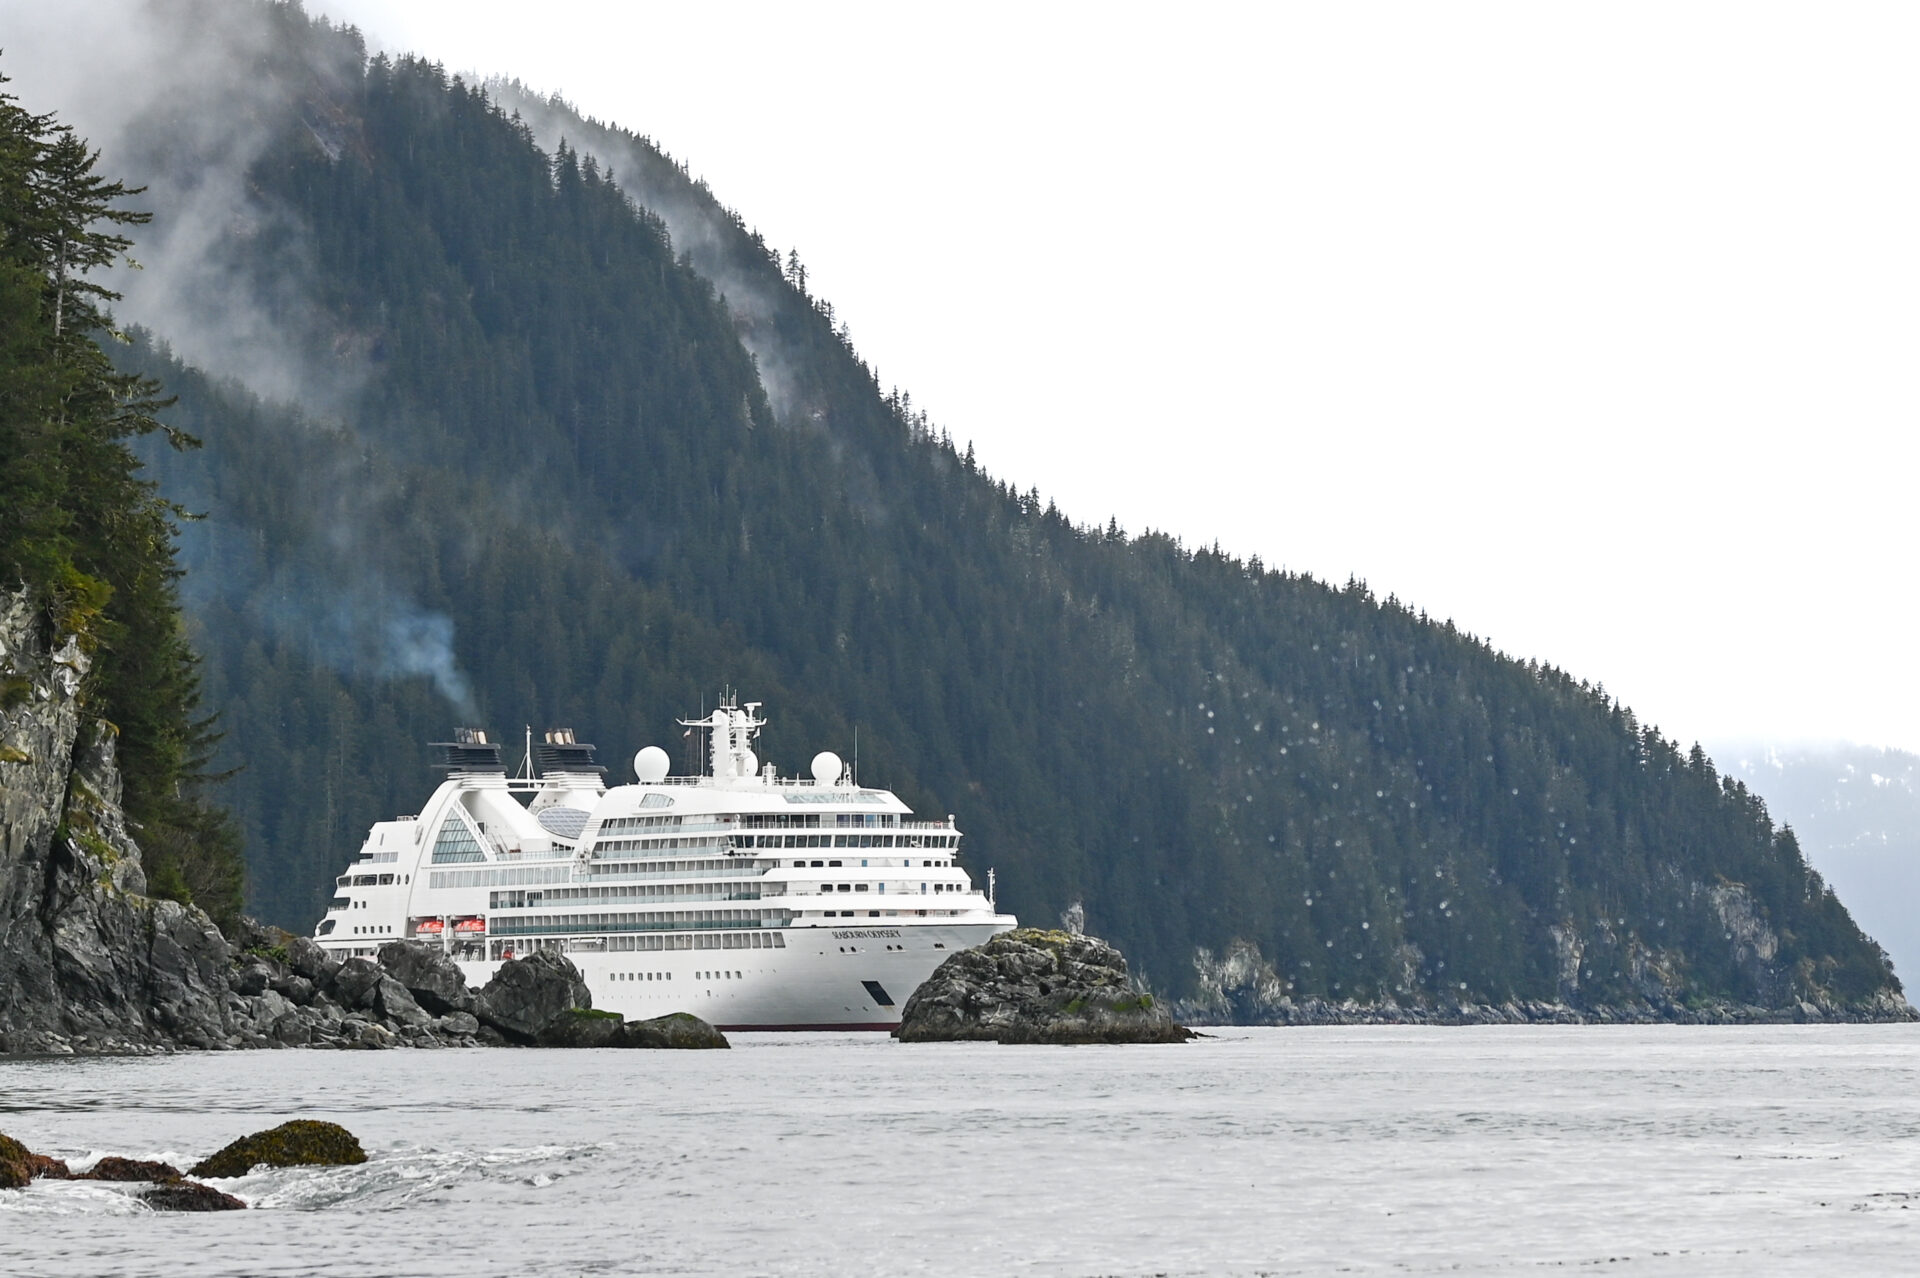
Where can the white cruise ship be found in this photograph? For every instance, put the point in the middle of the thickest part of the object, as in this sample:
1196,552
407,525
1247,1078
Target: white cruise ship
755,902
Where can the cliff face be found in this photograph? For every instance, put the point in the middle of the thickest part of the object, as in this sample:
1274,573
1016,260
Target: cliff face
87,961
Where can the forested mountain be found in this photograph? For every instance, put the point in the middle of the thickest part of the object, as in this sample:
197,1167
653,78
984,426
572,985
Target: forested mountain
524,427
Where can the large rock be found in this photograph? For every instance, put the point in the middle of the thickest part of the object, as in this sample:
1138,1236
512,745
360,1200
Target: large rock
302,1142
526,995
433,979
1034,986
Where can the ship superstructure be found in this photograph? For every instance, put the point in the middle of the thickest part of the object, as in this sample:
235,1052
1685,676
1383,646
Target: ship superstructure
751,900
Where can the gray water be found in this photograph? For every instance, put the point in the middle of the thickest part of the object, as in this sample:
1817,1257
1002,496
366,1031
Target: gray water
1490,1150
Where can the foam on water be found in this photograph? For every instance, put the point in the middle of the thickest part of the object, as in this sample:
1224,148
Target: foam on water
1495,1150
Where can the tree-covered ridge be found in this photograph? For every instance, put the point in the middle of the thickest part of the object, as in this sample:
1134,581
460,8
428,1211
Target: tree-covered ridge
628,468
79,527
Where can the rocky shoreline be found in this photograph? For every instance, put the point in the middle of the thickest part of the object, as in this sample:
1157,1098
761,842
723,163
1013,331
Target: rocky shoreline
285,991
1313,1011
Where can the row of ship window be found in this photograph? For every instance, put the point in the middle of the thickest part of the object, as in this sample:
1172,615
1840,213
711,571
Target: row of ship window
834,865
862,887
890,914
687,843
636,920
621,944
849,840
615,893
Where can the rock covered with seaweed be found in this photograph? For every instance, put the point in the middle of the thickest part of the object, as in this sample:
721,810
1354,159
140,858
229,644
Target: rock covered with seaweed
167,1188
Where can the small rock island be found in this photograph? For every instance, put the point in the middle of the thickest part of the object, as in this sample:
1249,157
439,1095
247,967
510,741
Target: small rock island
1033,985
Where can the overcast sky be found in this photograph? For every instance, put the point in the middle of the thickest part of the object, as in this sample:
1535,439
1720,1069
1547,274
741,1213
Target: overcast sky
1591,327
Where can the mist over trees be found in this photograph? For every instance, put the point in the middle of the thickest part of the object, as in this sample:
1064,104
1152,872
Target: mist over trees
581,469
89,539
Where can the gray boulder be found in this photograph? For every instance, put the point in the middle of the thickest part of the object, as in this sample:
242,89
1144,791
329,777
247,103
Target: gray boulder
458,1025
391,1000
528,994
355,983
430,976
306,958
1035,986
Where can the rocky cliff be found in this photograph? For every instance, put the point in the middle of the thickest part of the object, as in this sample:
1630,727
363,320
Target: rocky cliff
87,960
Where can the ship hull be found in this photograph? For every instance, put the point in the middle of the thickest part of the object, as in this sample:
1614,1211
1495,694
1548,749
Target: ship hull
823,978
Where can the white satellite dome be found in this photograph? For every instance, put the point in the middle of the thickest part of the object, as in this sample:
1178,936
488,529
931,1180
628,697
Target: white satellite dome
651,765
749,763
826,767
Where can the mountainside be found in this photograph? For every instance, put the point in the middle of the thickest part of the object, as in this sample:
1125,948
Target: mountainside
1856,812
507,429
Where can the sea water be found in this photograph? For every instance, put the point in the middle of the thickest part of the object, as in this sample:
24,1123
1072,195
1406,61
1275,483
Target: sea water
1643,1150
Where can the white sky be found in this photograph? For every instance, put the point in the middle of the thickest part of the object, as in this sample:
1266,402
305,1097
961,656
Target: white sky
1591,327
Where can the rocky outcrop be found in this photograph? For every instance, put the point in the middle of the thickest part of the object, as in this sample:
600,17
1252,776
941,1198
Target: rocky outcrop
87,961
1033,986
301,1142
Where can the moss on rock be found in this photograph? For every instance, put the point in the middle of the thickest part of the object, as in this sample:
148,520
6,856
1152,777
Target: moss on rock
14,1167
303,1142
